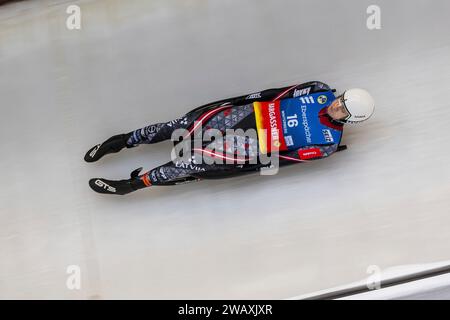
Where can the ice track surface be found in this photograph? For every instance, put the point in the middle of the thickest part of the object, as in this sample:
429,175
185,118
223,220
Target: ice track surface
385,201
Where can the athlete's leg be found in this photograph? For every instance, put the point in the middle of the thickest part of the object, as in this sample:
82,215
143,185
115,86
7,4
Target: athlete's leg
168,174
182,170
242,140
196,168
150,134
171,173
156,132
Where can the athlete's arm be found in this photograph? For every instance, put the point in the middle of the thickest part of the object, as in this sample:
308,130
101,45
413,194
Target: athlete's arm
296,90
279,93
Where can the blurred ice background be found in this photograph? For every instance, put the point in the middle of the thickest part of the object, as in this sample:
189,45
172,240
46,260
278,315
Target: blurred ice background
385,201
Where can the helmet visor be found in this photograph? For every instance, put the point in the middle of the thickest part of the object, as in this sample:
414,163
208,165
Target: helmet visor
341,100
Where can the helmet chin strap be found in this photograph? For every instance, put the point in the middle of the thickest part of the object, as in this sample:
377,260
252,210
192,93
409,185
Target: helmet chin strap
341,121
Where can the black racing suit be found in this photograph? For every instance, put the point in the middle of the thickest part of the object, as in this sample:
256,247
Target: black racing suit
234,113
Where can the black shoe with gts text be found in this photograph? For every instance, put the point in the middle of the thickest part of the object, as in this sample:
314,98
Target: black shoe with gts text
119,187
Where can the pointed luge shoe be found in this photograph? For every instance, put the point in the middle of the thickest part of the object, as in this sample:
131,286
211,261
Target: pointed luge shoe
112,145
119,187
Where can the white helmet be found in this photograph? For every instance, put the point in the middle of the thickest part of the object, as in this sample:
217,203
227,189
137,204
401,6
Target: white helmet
359,105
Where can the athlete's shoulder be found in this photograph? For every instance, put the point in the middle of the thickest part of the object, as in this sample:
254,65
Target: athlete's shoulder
317,86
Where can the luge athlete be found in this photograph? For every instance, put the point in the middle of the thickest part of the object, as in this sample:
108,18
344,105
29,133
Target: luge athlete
301,123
